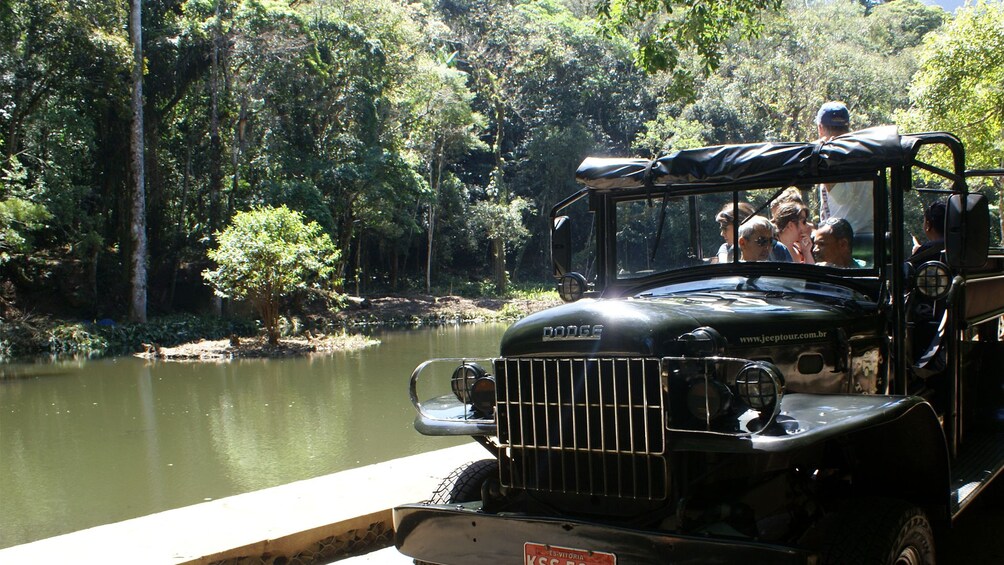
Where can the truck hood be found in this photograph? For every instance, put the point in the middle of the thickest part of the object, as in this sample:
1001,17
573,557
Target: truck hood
651,326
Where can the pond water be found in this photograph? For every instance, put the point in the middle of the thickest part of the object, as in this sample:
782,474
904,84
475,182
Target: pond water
93,442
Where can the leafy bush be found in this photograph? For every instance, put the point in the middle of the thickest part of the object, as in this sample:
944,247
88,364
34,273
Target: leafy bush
265,255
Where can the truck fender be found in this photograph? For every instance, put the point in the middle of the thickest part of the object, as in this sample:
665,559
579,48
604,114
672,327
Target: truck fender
893,446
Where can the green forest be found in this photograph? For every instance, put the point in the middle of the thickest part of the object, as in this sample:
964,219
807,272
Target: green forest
428,139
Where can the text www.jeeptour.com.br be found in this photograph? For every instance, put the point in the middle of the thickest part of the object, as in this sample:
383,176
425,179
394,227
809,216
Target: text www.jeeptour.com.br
780,338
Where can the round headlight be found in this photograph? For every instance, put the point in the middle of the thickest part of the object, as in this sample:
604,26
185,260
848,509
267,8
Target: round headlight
932,280
571,287
703,342
707,400
759,385
483,395
463,380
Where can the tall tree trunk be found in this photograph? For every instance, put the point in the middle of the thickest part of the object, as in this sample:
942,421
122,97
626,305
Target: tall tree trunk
346,231
238,148
498,244
359,261
215,150
498,254
435,179
428,248
179,226
159,242
137,304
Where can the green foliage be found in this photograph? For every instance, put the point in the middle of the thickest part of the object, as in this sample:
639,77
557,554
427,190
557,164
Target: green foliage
77,339
390,123
92,340
663,29
958,86
532,292
958,89
666,133
17,217
503,220
770,87
895,26
266,254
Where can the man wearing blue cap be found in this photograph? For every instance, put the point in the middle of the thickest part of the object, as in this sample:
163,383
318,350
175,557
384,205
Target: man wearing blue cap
832,120
851,201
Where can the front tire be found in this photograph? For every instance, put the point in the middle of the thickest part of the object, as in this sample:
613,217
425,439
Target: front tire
878,531
464,484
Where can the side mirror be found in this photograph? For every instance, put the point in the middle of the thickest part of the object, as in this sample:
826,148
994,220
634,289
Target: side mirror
561,246
967,231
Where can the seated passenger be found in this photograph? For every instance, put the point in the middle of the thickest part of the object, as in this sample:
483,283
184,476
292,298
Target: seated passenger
832,244
926,314
934,226
726,222
756,239
791,220
778,252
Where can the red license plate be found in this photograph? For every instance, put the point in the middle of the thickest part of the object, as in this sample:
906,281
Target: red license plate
541,554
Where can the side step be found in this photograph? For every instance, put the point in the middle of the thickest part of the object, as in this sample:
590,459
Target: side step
980,461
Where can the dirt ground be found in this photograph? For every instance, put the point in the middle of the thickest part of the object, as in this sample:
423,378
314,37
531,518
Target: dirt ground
420,309
252,347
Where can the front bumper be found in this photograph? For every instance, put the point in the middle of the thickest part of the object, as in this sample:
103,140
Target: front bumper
451,534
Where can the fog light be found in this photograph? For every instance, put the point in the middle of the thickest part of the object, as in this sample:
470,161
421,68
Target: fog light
708,400
932,280
463,380
759,385
483,395
571,287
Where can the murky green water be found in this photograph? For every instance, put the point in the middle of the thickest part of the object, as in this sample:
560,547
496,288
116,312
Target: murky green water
89,443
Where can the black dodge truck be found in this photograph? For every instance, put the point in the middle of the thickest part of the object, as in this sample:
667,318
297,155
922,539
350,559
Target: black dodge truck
689,406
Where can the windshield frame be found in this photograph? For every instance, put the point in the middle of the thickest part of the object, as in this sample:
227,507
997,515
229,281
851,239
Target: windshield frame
865,280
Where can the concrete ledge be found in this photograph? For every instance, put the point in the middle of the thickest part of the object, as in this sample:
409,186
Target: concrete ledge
307,520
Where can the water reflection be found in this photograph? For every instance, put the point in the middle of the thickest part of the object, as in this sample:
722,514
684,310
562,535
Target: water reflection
88,443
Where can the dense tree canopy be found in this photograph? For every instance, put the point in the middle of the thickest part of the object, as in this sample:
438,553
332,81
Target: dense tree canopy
427,139
960,84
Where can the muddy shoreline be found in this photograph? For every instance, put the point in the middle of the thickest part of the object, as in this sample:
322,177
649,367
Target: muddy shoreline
386,311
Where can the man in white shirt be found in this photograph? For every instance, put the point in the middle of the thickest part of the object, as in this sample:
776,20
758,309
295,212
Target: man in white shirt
851,201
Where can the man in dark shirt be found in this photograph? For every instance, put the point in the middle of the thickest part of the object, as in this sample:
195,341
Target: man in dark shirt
832,244
925,313
934,229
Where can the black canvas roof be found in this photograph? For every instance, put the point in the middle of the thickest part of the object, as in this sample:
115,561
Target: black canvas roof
856,152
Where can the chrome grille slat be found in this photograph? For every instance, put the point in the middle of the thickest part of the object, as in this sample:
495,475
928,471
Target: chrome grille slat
583,425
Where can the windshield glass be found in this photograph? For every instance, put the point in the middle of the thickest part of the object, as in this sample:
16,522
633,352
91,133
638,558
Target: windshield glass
765,284
828,226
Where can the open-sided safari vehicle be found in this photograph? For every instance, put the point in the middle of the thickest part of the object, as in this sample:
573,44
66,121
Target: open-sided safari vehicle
691,407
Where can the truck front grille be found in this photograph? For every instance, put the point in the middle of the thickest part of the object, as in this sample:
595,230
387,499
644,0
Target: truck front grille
582,426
